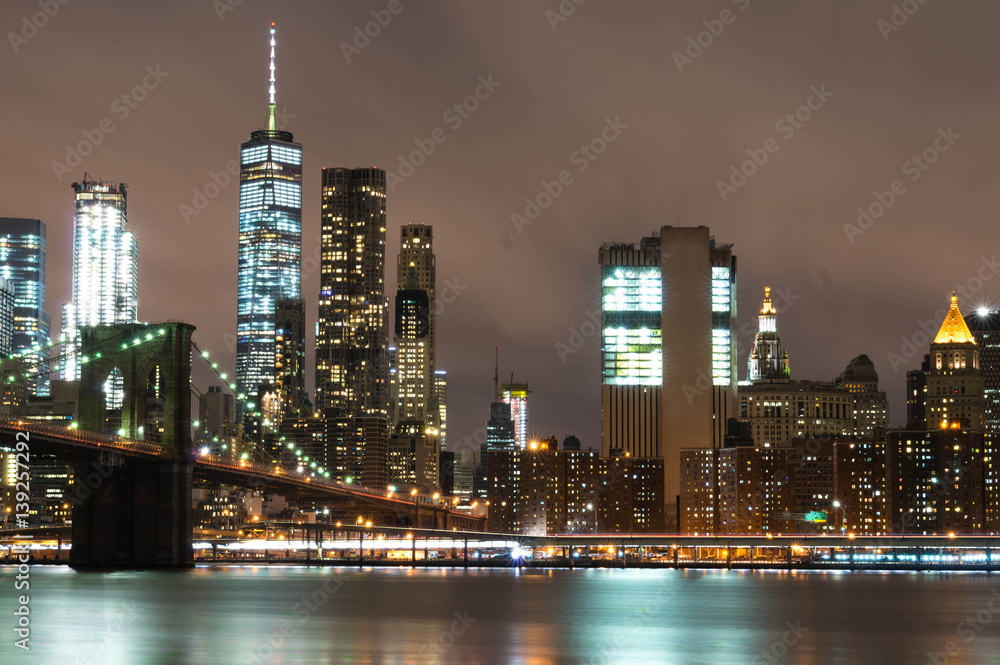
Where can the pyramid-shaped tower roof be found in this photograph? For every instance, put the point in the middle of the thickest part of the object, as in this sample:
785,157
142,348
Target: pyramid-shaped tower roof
953,329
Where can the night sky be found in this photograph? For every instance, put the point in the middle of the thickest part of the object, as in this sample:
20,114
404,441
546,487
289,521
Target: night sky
679,133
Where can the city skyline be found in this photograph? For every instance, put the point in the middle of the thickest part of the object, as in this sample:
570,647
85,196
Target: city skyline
813,284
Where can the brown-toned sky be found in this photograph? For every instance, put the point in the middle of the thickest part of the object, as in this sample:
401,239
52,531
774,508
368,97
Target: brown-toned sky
892,90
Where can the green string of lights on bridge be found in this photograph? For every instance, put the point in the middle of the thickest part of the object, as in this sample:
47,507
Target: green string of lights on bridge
243,402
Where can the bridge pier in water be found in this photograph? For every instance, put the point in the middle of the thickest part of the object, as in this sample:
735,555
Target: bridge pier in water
140,514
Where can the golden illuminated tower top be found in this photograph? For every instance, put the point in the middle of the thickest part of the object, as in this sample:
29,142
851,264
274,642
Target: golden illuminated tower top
768,358
768,308
954,329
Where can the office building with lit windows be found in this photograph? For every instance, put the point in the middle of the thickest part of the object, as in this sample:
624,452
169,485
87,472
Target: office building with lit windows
632,352
516,394
352,338
6,317
941,481
416,270
668,344
413,456
22,261
539,491
955,387
270,241
775,409
755,489
871,406
440,403
105,271
414,380
985,327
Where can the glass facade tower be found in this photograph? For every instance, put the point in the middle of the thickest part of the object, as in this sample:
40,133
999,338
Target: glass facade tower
270,242
22,261
105,266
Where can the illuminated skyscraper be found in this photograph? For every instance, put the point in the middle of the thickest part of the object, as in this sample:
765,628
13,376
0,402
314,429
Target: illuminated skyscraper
499,430
414,373
416,254
22,261
632,349
270,243
516,394
440,403
105,268
955,386
669,352
6,317
352,338
985,327
768,359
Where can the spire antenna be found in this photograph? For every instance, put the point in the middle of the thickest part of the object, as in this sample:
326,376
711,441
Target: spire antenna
496,375
270,91
271,123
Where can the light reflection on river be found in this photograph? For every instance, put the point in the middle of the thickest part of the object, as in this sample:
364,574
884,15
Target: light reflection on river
544,617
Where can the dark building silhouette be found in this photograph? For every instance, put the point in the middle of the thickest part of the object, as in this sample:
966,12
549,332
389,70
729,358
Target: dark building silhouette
571,443
290,356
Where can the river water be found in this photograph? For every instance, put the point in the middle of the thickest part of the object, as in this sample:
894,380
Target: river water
283,615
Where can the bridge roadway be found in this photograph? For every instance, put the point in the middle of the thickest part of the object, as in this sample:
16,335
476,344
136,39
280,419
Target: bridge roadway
80,445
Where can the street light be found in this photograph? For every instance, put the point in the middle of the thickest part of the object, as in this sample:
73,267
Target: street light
838,506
